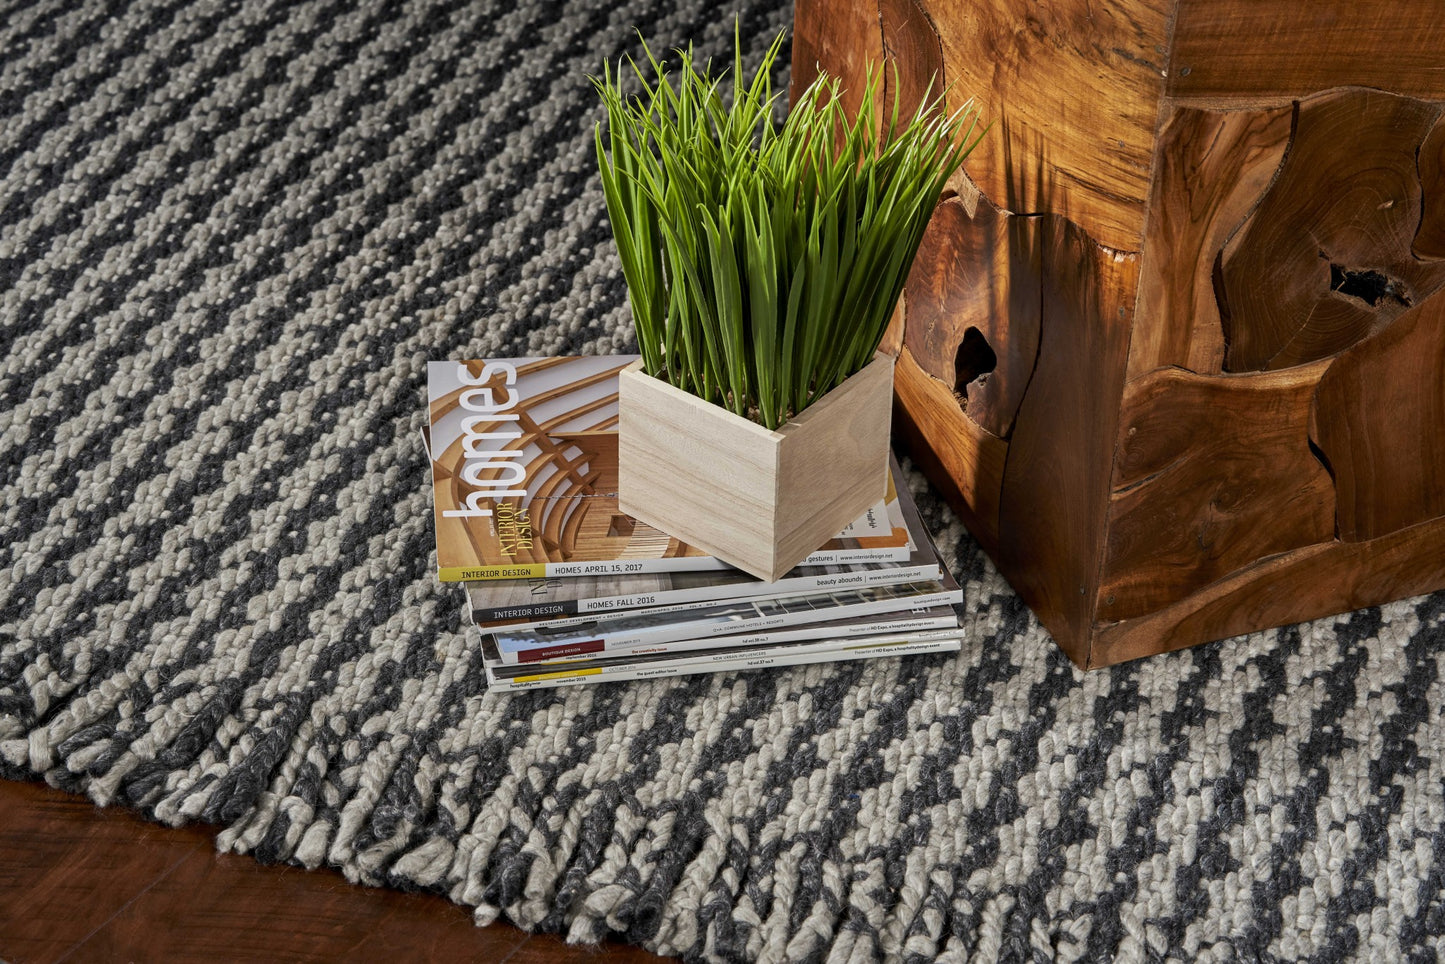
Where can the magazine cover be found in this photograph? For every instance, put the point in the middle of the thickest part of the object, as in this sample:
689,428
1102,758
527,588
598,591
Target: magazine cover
645,627
524,478
518,602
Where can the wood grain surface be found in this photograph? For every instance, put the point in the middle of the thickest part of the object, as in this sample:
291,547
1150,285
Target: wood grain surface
1332,577
1072,88
844,39
978,273
914,66
1247,53
1429,242
1379,420
964,460
1325,260
1053,509
1211,473
1213,168
82,884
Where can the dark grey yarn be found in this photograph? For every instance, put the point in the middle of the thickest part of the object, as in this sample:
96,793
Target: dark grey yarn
231,234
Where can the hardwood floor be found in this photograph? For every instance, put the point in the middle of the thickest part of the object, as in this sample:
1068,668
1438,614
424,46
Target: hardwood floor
84,884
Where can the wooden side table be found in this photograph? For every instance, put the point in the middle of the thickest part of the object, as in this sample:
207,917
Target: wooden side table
1175,346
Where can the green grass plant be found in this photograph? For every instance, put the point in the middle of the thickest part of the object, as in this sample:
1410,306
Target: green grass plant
763,260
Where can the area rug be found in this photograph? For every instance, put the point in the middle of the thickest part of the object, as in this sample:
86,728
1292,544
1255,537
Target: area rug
232,233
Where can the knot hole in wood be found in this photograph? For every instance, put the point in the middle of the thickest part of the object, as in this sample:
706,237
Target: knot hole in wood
973,361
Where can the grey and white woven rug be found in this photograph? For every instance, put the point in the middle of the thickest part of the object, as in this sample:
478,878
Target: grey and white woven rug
230,235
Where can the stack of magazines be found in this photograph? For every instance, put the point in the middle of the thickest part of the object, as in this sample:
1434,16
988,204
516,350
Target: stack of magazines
565,589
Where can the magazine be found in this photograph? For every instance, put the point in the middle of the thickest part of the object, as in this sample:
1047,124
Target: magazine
649,627
715,650
901,622
518,602
731,664
497,669
524,479
682,664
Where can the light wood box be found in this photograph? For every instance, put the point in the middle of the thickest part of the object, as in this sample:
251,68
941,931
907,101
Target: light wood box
758,499
1175,345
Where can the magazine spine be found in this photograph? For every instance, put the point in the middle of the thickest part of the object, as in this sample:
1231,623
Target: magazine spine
747,661
514,617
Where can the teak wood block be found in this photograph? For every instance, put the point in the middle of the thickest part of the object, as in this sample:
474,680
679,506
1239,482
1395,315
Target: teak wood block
759,499
1175,344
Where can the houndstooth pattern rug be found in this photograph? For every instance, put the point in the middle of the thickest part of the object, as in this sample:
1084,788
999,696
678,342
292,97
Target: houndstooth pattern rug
231,233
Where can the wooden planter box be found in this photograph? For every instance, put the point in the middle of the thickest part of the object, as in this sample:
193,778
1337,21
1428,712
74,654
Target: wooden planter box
1176,347
759,499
